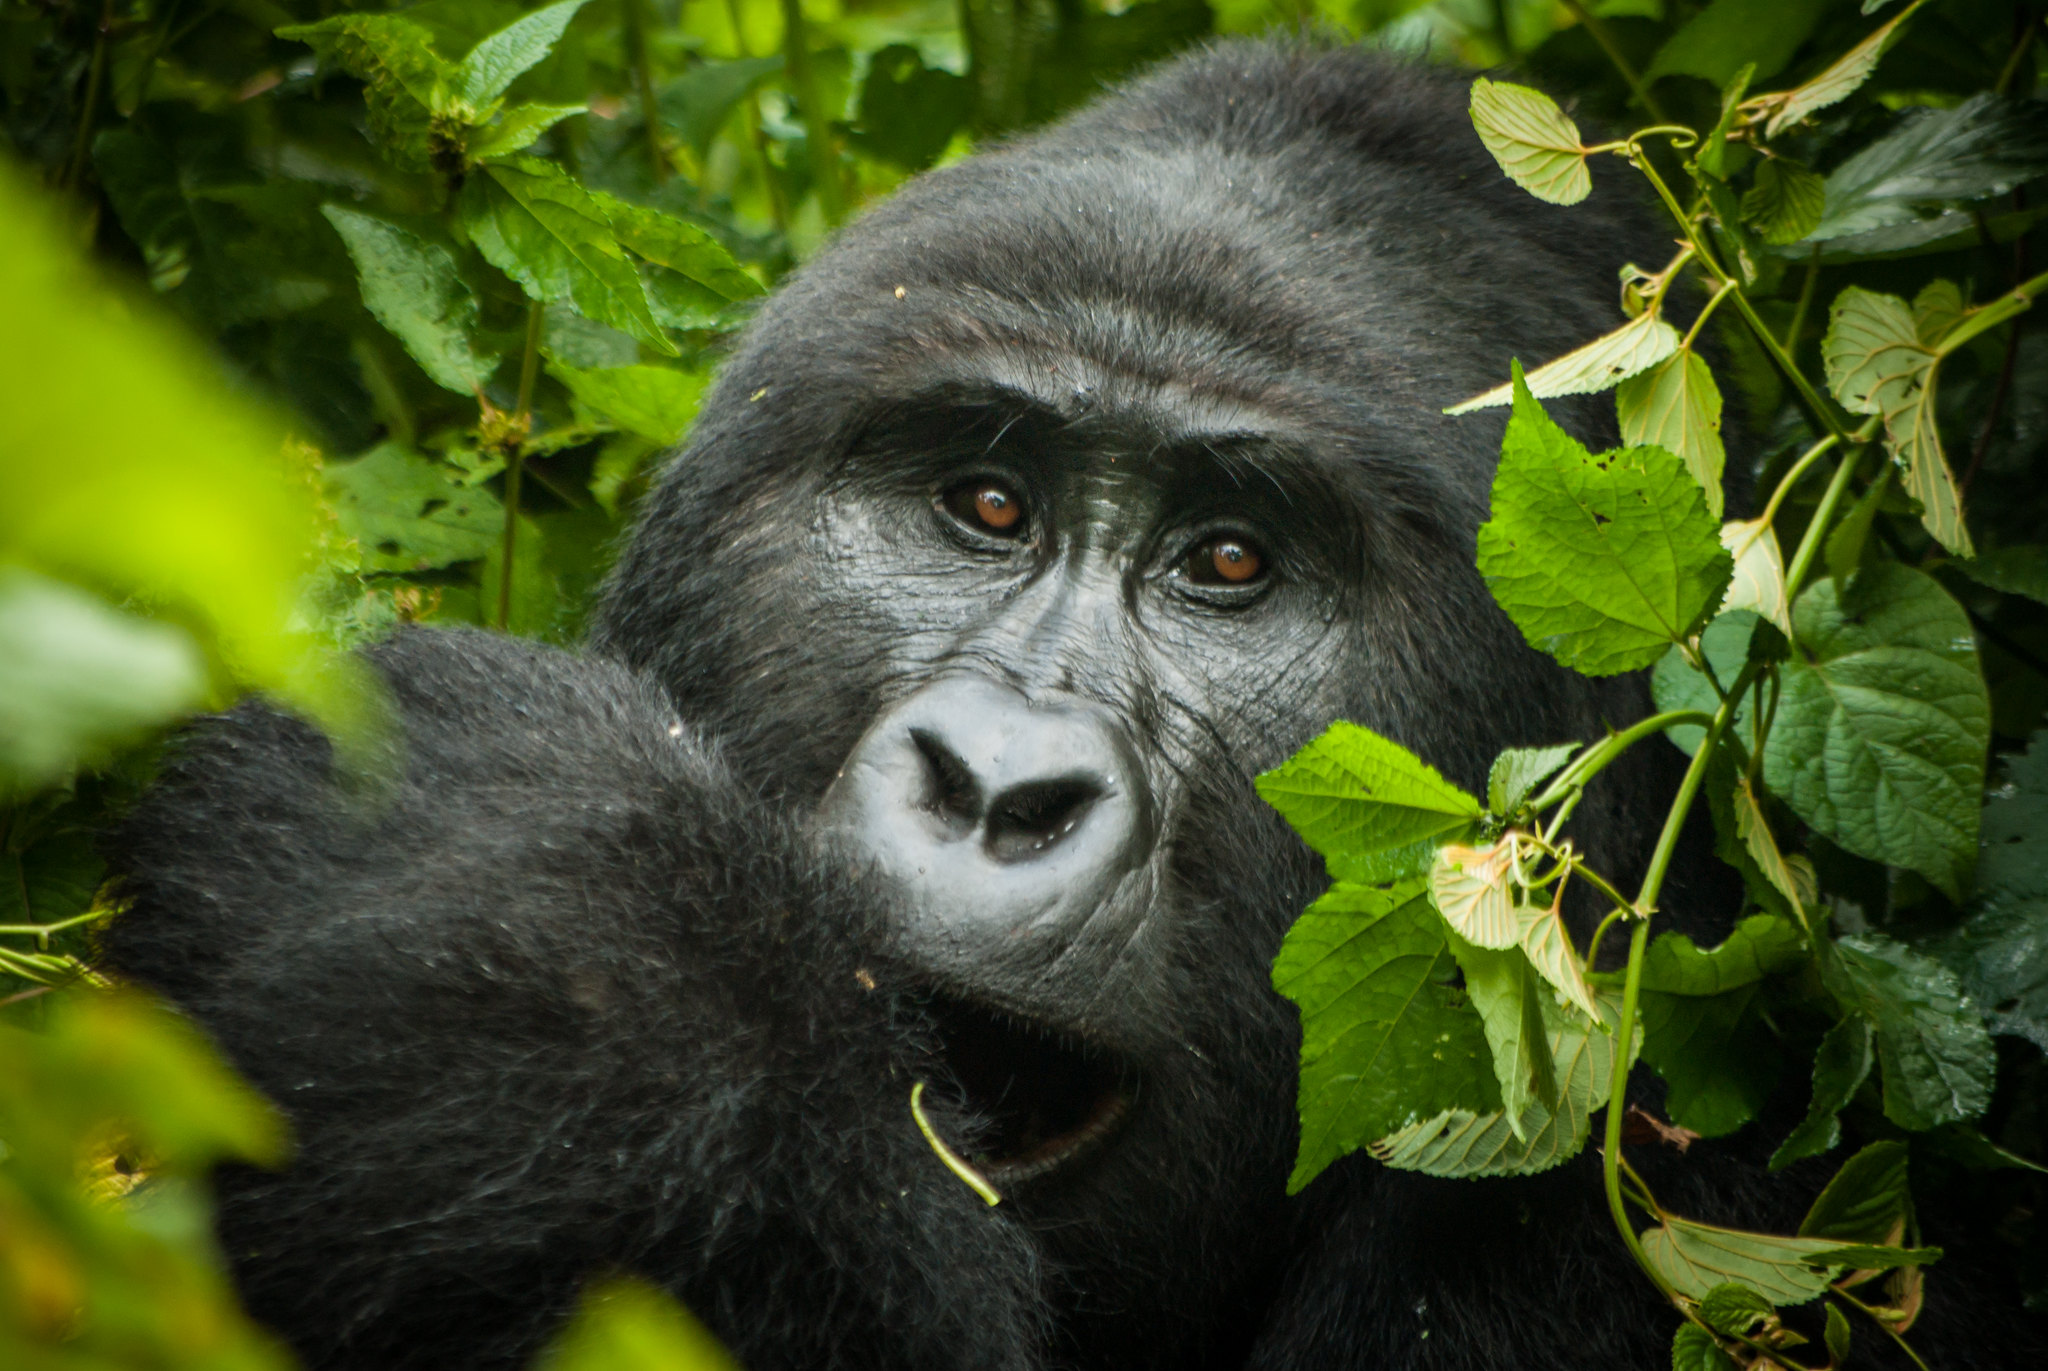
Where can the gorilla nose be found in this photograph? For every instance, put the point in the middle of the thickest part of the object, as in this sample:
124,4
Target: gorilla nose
995,815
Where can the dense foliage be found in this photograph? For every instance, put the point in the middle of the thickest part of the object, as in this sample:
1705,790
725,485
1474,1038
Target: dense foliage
465,267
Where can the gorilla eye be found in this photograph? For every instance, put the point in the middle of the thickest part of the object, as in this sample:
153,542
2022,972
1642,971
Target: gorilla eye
986,506
1226,560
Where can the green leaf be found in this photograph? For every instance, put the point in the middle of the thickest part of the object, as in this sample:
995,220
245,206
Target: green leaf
1837,1334
1465,1142
1472,888
1784,206
1675,405
411,285
1937,1060
1754,832
909,112
1882,723
1538,148
1758,584
1676,685
1636,346
1600,561
535,224
1867,1201
682,247
698,103
1352,793
1734,1309
1503,989
1519,770
626,1325
1701,1028
1840,1067
498,60
407,84
1729,34
655,402
1878,1257
50,867
1983,147
1718,159
1850,539
516,128
1839,80
408,515
1877,363
2021,569
78,677
1696,1257
1547,943
1386,1037
1693,1349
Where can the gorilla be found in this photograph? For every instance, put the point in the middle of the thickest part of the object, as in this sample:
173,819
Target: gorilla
912,747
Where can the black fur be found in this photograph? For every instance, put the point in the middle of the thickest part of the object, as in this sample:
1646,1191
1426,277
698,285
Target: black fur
568,996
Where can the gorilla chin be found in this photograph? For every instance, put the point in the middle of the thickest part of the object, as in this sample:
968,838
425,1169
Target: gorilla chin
1062,494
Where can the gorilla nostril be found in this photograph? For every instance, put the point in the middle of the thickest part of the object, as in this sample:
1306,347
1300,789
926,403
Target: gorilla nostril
950,790
1027,819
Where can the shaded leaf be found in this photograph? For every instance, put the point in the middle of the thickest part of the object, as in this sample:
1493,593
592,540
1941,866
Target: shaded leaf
1675,684
682,247
2021,569
1755,832
1735,1309
1676,406
1701,1029
1837,1334
406,82
516,128
1611,358
1937,1060
1983,147
411,285
1838,81
1866,1202
1352,793
1519,770
1849,540
1693,1349
1696,1257
1785,204
1502,986
909,112
1538,148
1729,34
408,514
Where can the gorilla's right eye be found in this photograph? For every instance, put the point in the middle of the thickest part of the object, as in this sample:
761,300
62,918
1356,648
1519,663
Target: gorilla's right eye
986,506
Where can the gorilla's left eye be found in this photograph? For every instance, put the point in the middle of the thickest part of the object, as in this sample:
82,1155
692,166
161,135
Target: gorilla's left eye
986,506
1224,560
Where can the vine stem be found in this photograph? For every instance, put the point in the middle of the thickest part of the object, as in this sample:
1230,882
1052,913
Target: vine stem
1791,477
1816,528
81,142
1593,25
1891,1332
638,39
515,460
1596,758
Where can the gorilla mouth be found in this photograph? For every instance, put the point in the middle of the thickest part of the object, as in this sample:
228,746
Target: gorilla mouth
1046,1101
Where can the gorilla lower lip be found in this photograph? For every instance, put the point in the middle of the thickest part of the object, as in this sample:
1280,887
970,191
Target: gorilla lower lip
1044,1101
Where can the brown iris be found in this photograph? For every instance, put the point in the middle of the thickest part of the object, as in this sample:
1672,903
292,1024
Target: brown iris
986,506
1225,561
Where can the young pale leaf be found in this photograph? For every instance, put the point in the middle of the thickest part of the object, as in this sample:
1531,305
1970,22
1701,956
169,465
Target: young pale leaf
1701,1029
1676,406
535,224
493,64
1600,561
1758,584
657,403
1983,147
1883,722
1676,685
1878,364
1696,1257
1784,206
1473,889
1352,793
1503,990
1693,1349
1464,1142
1839,81
1937,1060
1519,770
1867,1202
1840,1067
516,129
1548,945
1611,358
413,289
1735,1309
1534,143
1385,1035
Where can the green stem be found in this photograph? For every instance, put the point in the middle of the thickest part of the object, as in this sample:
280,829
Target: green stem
1706,313
643,76
1806,288
515,460
1791,478
1596,758
81,142
1816,528
1605,39
796,53
43,931
1885,1324
778,213
1990,315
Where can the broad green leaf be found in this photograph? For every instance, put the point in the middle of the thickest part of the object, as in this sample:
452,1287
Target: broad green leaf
626,1325
1735,1309
1547,943
1839,80
1502,985
1519,770
2001,950
1611,358
408,515
1758,584
1839,1068
1465,1142
909,112
1601,561
1784,206
1983,147
682,247
1724,642
657,403
1868,1201
1675,405
1473,888
1947,232
50,867
1729,34
516,128
411,285
1701,1029
407,84
1693,1349
1538,148
1877,364
1696,1257
1755,832
77,678
498,60
1352,793
2021,569
1882,724
534,223
1937,1060
1386,1037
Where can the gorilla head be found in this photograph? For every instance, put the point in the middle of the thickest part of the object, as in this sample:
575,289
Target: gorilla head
1066,491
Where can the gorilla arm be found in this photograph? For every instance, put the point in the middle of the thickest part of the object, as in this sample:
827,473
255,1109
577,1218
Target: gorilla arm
555,996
